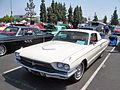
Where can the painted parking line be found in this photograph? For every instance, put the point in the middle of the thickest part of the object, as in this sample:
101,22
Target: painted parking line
12,70
97,70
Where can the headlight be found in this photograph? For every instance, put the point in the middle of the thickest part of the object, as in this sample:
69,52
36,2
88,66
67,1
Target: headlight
63,66
17,55
60,65
67,67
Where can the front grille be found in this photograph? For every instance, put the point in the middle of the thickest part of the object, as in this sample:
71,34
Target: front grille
39,65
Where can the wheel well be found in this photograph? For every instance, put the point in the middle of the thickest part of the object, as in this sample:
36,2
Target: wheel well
4,45
4,48
85,63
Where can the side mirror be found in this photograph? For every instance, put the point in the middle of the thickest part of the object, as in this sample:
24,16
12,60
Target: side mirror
92,42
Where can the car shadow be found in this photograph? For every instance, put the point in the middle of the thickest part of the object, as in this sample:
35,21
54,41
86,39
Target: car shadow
24,80
117,48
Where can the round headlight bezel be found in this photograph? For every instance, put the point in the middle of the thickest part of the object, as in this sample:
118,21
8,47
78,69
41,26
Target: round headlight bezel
60,65
17,55
63,66
66,67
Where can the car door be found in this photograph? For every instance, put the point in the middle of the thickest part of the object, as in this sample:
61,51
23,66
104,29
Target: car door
13,41
95,46
41,37
27,36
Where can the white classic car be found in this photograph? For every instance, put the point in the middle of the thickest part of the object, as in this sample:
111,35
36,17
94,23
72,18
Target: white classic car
66,56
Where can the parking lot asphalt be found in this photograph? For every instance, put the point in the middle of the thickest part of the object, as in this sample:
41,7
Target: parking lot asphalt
108,78
13,77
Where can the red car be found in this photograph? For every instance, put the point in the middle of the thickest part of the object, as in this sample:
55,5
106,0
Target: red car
117,30
2,27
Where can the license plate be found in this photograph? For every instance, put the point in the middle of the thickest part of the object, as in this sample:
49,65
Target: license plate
42,74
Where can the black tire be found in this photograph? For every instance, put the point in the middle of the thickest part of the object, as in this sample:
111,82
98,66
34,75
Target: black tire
79,73
3,50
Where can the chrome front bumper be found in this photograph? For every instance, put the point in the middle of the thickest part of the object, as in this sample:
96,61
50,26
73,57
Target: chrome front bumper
48,74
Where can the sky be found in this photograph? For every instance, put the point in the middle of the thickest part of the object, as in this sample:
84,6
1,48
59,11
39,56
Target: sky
89,7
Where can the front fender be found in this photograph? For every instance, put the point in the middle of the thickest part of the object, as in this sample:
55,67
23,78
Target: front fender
76,63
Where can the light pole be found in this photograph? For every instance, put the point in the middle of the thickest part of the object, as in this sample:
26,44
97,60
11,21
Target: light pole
11,12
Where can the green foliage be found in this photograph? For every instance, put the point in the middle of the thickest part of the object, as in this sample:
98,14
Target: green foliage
43,16
70,14
6,19
56,12
114,18
105,19
95,17
77,15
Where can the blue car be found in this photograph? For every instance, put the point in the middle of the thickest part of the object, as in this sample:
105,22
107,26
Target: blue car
113,40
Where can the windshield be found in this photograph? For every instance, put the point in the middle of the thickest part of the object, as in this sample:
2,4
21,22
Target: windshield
10,31
72,36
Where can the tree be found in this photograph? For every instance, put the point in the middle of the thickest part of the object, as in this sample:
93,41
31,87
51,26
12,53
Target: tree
51,12
105,19
56,12
6,19
77,16
43,15
53,6
95,17
81,17
30,10
64,13
114,18
70,14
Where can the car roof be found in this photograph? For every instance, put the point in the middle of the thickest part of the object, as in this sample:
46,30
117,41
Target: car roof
81,30
21,26
87,28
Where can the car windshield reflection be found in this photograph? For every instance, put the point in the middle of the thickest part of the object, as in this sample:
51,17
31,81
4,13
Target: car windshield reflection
74,37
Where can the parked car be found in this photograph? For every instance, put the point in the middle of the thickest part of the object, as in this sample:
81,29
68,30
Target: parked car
2,27
113,40
97,28
53,29
116,30
66,56
58,28
15,37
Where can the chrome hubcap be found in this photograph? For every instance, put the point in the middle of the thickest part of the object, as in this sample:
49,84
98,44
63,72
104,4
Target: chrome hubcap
2,50
80,71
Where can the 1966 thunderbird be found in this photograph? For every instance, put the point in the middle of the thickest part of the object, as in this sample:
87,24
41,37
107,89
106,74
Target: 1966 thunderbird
66,56
15,37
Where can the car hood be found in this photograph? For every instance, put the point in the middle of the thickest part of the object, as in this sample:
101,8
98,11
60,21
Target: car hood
52,51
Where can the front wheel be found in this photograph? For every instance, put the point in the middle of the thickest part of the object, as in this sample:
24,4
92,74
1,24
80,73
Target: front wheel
3,50
79,73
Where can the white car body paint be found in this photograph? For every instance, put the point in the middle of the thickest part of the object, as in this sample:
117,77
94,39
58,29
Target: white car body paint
65,52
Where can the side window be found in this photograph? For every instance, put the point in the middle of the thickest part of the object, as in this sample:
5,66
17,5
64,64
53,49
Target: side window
26,31
93,38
